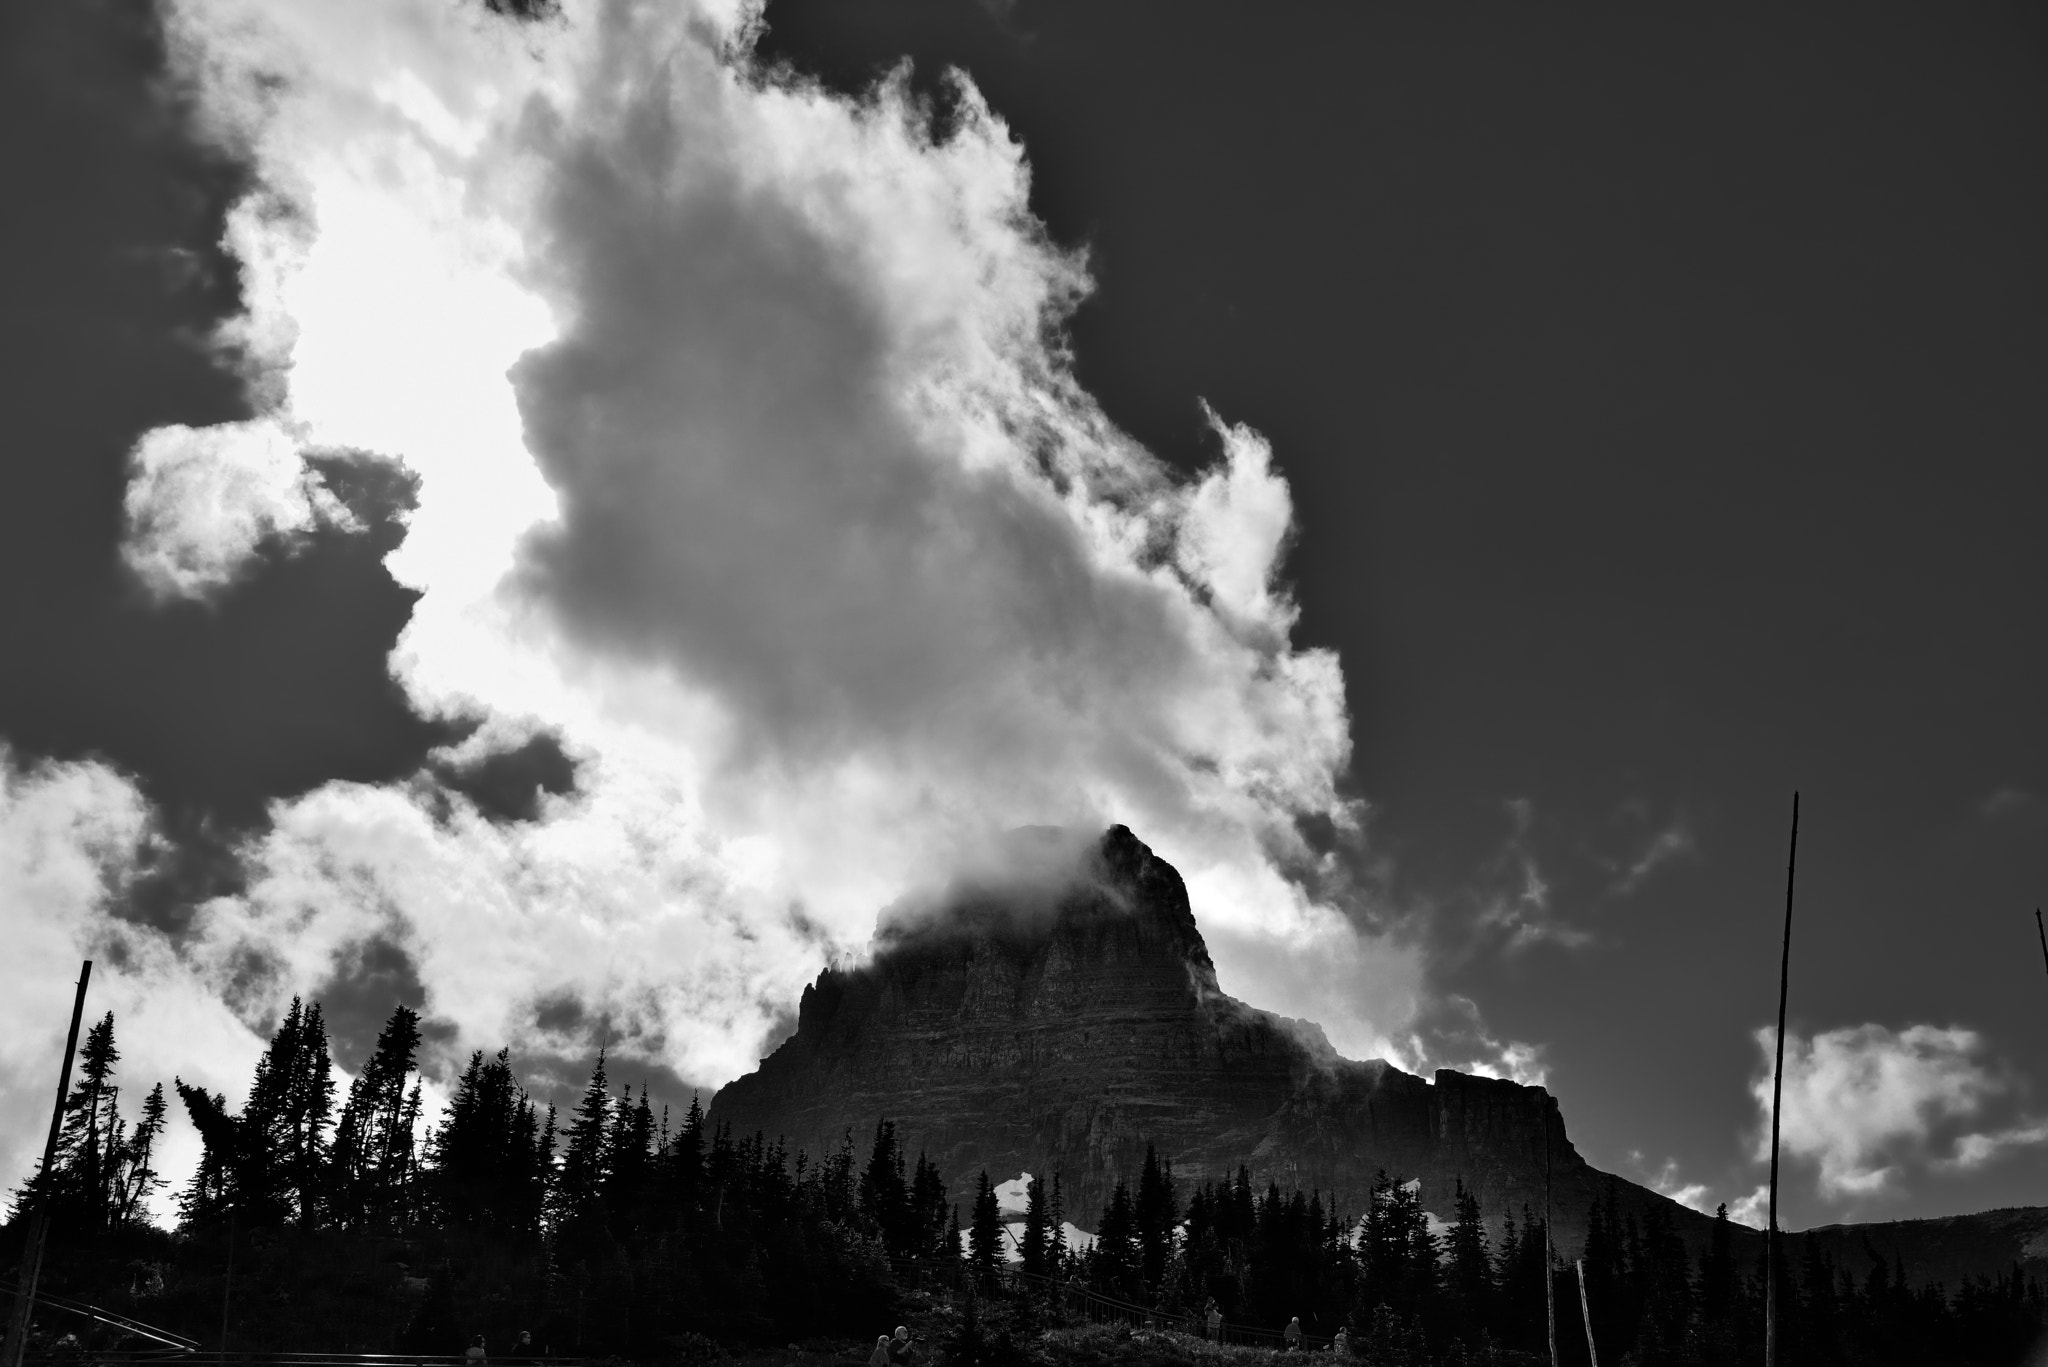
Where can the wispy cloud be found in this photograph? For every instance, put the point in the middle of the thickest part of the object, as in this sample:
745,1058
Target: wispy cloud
1520,911
2008,801
1976,1150
1673,842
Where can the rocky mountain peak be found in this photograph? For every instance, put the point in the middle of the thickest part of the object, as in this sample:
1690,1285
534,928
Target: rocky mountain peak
1053,1008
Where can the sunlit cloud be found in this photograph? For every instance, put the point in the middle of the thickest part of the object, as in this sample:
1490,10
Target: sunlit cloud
753,473
1665,1181
1866,1104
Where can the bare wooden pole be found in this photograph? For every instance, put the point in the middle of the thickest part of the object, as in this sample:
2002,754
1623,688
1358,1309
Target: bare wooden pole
39,1221
1586,1314
1777,1092
1549,1256
227,1284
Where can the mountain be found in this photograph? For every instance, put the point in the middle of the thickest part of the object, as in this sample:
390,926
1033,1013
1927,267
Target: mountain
1057,1011
1062,1012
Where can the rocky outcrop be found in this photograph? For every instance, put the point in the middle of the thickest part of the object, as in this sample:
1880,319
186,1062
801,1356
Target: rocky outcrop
1062,1014
1063,1018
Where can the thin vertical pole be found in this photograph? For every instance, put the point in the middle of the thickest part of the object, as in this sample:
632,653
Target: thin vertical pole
39,1223
1777,1092
1586,1314
2044,937
227,1284
1549,1257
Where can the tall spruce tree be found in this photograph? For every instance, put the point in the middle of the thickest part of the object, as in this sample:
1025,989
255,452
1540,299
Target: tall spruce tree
884,1196
928,1207
985,1236
372,1151
584,1150
88,1143
1154,1213
1035,1245
629,1159
1113,1264
1470,1271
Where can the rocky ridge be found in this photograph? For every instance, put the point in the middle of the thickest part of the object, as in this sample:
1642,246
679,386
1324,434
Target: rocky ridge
1062,1020
1060,1015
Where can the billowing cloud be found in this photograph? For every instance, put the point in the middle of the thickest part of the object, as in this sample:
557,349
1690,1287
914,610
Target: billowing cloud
751,472
1866,1103
201,501
72,837
1753,1209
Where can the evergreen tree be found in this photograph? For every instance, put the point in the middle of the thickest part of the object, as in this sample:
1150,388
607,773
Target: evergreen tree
216,1182
629,1156
1155,1213
284,1121
484,1165
1113,1263
929,1208
686,1156
139,1178
884,1196
1470,1271
372,1150
1717,1273
985,1236
1057,1253
1034,1245
584,1150
88,1142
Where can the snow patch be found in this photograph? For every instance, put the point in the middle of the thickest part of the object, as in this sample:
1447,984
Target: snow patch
1013,1196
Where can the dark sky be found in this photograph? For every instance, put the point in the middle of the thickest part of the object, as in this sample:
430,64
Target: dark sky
1662,398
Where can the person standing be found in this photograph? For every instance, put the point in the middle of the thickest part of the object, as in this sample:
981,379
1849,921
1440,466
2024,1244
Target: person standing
475,1352
1292,1334
1212,1320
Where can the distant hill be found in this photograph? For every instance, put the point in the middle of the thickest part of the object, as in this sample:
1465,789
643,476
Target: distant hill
1059,1016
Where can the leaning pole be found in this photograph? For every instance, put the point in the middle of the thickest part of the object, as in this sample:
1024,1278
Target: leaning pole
1777,1091
39,1218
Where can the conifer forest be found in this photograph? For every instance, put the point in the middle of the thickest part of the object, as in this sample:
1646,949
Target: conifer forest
349,1221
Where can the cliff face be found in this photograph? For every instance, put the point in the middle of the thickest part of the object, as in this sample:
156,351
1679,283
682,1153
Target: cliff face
1063,1024
1063,1020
